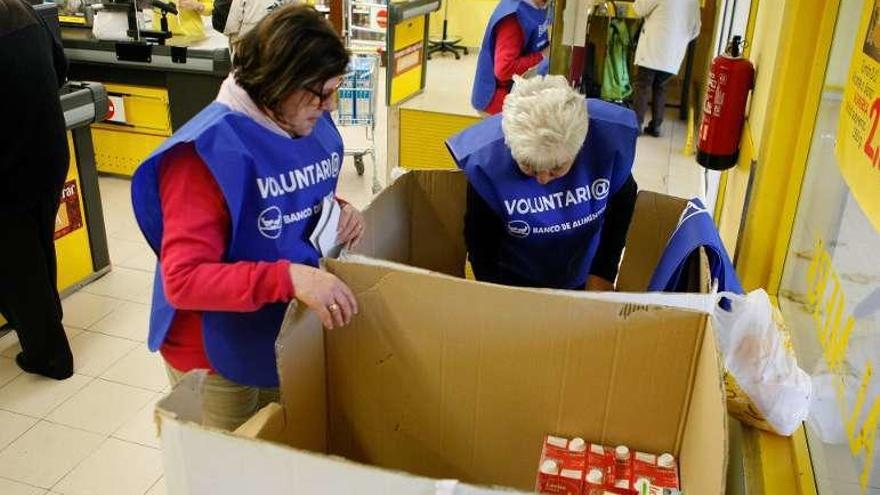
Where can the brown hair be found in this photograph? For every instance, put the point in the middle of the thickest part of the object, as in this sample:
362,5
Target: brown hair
292,48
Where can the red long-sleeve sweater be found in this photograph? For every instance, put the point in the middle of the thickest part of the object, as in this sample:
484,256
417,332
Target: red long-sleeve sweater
196,232
509,60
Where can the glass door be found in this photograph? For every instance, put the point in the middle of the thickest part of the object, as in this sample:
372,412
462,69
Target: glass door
830,294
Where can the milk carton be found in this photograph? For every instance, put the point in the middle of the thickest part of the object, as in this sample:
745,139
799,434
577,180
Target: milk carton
599,469
562,466
655,475
623,468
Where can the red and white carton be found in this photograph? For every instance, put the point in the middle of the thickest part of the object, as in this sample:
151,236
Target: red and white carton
599,470
562,466
572,452
655,474
601,473
555,480
623,468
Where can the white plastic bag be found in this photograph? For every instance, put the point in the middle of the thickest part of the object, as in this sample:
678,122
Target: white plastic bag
110,25
762,364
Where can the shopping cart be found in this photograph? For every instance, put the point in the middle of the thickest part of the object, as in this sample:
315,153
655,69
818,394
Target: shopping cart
357,107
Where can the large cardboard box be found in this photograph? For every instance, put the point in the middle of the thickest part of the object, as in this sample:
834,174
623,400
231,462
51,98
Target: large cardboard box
442,378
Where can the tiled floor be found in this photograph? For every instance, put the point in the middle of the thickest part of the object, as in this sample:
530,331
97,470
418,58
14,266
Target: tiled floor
94,433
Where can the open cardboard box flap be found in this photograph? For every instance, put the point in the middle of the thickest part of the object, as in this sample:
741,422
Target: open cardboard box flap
440,377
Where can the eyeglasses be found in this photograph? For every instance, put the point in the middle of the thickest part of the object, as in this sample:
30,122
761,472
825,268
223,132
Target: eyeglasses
322,97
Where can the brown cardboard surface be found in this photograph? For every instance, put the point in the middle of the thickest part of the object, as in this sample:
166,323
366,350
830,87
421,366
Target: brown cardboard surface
703,459
437,202
655,218
419,221
267,424
388,223
201,461
428,381
442,377
300,352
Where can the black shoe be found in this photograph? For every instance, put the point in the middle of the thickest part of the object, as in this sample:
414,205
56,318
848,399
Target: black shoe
652,131
57,373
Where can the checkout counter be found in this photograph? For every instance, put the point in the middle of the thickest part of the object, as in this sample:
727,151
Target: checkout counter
153,88
80,234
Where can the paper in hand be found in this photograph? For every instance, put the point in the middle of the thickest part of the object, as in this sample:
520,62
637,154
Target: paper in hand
325,234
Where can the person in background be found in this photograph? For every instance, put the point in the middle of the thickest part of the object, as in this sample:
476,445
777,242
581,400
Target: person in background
34,161
187,26
220,14
515,43
245,14
668,27
550,190
228,204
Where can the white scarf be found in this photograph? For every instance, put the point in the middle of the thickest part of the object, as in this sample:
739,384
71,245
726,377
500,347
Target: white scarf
236,98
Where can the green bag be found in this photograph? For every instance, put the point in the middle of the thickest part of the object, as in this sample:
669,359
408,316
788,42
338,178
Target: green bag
615,71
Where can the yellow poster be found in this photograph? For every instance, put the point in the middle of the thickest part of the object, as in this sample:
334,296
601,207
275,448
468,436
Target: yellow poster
858,136
407,59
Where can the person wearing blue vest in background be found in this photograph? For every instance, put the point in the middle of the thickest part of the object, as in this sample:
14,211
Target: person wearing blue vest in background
550,189
228,204
515,43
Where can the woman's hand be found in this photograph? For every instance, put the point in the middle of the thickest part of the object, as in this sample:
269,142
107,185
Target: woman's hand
597,283
324,294
351,227
192,5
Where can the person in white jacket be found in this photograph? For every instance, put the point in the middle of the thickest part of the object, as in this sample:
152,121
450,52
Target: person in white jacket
669,26
245,14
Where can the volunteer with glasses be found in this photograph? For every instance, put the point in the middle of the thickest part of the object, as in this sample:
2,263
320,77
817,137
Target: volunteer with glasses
550,192
515,43
229,202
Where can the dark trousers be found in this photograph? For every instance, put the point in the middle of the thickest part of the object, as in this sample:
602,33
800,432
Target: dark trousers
28,284
648,81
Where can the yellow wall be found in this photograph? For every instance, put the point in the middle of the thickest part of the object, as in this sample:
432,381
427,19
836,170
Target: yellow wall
467,19
423,137
790,48
735,186
763,50
764,53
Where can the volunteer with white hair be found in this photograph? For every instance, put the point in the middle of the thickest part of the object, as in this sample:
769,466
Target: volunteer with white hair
550,192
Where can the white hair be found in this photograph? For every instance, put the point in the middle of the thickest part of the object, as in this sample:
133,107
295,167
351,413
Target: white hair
544,122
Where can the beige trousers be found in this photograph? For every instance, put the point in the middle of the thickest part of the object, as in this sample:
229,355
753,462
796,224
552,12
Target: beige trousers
226,404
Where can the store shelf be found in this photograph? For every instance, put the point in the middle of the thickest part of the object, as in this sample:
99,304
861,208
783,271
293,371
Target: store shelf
369,4
365,22
370,43
368,30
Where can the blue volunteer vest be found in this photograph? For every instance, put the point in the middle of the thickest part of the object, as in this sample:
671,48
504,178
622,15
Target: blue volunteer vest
273,186
552,230
534,23
695,230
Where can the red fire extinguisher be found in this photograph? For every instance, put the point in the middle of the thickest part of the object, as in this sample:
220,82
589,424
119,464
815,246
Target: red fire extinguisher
724,111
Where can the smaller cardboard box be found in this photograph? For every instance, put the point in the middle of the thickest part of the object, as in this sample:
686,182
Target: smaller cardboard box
440,378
